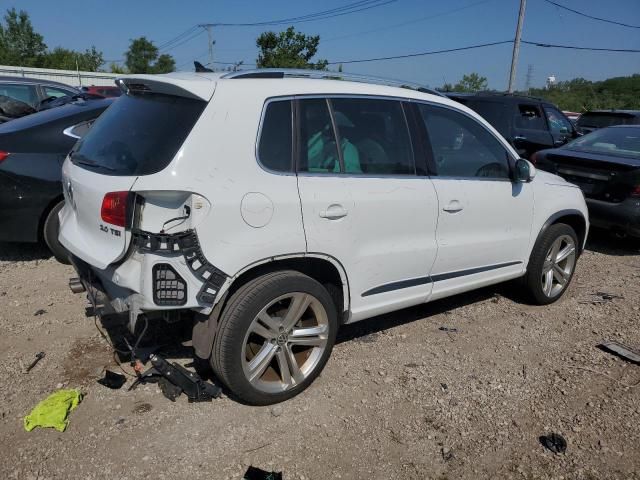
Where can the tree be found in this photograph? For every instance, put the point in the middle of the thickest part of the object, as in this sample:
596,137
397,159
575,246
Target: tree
142,57
90,60
19,43
471,83
288,49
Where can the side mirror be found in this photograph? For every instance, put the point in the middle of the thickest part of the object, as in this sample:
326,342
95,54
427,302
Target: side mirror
524,171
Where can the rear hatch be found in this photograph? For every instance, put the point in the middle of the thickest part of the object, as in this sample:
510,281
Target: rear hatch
600,177
138,135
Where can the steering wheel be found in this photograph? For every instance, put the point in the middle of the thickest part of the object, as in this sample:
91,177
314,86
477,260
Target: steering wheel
491,170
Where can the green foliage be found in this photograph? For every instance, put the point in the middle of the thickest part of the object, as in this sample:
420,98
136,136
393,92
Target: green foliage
471,83
288,49
65,59
580,95
142,57
22,46
19,43
115,68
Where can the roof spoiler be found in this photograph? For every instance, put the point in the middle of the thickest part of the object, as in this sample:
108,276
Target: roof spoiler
147,84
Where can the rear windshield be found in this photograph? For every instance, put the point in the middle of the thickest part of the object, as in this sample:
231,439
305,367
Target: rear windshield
601,120
138,134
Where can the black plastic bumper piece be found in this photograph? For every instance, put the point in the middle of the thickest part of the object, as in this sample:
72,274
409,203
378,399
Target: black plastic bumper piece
187,244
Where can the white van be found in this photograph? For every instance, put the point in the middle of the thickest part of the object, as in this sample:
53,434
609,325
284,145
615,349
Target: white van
277,206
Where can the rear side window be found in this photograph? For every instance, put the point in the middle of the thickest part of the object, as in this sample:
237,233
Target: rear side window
374,137
23,93
318,146
462,147
276,137
529,117
138,134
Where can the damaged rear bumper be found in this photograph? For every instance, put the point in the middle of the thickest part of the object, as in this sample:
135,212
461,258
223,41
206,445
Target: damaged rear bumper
162,272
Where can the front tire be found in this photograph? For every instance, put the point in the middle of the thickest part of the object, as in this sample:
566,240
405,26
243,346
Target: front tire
274,338
50,232
552,264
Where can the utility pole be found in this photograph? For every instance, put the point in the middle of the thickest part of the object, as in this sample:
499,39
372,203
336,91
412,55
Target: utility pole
516,46
209,27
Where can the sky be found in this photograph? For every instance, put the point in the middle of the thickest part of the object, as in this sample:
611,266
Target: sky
396,28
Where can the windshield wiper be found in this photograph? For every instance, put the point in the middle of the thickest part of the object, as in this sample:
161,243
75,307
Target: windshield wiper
82,160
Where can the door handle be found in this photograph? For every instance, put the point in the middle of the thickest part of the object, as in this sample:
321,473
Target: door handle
334,212
454,207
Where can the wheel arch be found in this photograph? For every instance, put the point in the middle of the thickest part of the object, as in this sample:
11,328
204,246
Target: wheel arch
45,214
574,218
323,268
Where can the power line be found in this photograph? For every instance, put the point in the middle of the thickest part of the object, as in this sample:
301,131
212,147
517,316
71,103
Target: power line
591,16
421,54
572,47
359,6
402,24
177,38
188,39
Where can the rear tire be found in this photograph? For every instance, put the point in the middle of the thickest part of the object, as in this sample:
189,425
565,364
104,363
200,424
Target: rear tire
50,232
274,337
552,264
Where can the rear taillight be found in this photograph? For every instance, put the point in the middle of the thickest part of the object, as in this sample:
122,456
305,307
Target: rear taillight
3,155
635,191
114,208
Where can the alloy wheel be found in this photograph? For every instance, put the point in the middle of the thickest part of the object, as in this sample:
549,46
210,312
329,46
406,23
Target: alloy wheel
558,266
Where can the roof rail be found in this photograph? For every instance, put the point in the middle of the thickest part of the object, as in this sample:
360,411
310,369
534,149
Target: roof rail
327,75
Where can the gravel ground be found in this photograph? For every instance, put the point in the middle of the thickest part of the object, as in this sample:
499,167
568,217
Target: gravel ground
398,399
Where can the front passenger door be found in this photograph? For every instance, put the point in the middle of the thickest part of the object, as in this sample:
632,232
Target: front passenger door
484,219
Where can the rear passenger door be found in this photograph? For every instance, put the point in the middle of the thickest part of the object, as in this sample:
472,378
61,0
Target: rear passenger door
484,219
363,200
560,127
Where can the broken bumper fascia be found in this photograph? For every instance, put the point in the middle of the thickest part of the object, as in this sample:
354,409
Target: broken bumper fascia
129,285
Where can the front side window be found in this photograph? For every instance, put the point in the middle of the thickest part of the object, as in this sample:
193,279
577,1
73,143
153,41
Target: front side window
275,147
318,146
462,147
529,117
374,137
558,123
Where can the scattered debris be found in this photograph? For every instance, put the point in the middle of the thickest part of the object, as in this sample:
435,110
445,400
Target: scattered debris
446,453
254,473
602,297
621,351
39,312
39,356
444,387
554,442
142,407
276,410
175,375
53,411
112,380
448,329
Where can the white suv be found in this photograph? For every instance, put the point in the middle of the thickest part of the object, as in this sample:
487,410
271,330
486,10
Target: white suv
273,208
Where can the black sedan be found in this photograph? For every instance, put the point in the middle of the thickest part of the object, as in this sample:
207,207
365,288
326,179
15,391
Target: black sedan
32,150
605,164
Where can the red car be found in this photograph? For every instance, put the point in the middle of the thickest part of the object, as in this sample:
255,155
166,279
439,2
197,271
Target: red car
102,91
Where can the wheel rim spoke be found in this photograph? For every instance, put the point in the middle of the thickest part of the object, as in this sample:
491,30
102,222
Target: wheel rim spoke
312,336
555,249
560,275
564,253
294,369
548,283
266,327
299,304
261,361
285,373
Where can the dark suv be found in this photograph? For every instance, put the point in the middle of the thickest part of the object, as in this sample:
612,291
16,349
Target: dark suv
590,121
529,124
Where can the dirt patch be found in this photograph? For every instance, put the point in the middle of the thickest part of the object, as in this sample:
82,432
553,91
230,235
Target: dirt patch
86,361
